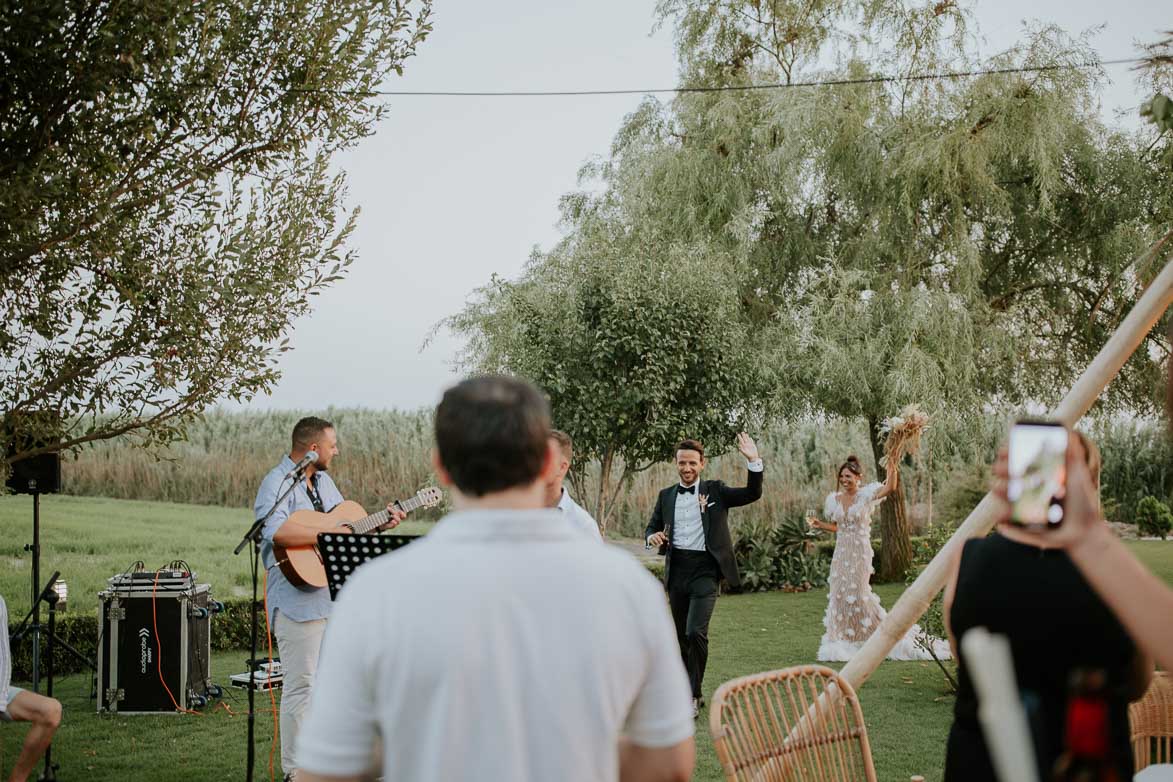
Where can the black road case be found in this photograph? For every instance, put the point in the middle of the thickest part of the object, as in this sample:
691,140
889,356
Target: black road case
134,663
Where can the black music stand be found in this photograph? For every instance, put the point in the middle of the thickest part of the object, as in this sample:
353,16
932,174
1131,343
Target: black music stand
343,553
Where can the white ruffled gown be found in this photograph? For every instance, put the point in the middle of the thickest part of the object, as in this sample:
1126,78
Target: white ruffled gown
853,609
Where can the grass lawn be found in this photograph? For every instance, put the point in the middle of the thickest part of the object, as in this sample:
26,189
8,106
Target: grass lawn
904,704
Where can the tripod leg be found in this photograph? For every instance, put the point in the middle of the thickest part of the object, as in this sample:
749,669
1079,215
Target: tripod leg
50,772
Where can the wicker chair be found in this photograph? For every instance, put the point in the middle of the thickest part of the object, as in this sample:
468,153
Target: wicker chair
1151,718
801,723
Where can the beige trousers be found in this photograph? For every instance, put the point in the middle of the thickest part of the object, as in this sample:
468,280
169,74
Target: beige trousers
298,645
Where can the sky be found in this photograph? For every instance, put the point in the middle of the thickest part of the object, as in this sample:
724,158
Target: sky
453,190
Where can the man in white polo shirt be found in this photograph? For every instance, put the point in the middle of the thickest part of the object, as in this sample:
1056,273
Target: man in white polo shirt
558,497
499,647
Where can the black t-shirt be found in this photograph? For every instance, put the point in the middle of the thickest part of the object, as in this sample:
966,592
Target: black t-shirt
1055,623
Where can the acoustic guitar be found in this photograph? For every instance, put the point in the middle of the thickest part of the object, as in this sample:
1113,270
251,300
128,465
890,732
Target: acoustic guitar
302,565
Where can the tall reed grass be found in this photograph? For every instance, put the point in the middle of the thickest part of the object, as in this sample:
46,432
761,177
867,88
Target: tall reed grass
387,455
384,455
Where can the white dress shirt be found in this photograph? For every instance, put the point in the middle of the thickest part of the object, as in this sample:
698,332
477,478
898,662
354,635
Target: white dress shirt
688,531
578,517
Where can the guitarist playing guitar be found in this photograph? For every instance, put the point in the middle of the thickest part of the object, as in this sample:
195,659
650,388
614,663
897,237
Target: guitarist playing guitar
297,615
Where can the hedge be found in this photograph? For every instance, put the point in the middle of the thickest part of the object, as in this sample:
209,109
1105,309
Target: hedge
231,630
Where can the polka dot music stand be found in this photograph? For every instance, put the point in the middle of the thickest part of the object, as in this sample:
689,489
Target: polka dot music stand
343,553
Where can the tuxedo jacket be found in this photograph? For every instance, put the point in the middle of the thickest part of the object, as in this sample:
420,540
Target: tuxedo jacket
714,519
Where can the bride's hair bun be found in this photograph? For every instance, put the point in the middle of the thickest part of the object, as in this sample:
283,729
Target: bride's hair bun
853,465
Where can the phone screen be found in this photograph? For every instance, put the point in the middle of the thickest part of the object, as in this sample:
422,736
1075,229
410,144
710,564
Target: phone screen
1038,473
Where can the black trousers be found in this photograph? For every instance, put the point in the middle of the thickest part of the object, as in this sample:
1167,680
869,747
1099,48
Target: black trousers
692,594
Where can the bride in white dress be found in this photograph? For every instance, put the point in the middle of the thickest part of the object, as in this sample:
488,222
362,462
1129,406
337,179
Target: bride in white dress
853,609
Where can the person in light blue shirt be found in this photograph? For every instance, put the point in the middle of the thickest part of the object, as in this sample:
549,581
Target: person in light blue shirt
297,615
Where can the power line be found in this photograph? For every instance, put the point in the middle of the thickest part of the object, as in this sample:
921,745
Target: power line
734,88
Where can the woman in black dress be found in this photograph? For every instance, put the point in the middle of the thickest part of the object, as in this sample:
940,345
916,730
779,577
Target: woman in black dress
1055,624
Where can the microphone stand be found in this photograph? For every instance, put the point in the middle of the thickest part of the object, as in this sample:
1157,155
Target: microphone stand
254,536
50,596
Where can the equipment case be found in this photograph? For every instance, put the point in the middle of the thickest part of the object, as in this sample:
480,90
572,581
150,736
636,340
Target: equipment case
130,656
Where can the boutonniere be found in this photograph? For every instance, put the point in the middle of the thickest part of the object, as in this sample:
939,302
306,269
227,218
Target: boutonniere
703,500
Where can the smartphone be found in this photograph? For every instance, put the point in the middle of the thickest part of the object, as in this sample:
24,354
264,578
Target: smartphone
1038,473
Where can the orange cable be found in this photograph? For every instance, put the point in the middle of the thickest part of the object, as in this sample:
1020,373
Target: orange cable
159,646
272,697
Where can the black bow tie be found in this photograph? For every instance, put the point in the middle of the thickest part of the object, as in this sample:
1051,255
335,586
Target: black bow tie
686,489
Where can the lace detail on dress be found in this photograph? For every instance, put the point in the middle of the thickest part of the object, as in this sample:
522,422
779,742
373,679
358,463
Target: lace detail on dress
853,609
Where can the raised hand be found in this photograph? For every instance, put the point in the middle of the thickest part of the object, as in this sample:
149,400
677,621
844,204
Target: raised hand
748,448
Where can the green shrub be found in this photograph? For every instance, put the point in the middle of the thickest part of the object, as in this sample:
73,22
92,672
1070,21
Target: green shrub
926,546
78,630
231,629
960,493
1138,463
1153,517
779,556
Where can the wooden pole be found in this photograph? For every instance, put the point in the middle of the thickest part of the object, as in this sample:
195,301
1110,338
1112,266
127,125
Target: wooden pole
916,599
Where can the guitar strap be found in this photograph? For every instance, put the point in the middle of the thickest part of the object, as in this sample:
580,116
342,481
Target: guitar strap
312,491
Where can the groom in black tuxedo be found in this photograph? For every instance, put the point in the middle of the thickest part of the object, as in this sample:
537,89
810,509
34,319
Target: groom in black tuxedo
691,525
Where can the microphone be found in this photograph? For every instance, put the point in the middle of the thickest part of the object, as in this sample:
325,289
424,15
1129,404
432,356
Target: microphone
311,457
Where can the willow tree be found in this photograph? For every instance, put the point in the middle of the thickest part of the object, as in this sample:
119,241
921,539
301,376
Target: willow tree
167,206
1157,75
954,243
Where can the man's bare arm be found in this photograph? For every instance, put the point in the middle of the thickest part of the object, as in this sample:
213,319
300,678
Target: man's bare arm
656,764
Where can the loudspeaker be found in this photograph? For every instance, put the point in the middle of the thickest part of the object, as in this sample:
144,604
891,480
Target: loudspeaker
36,475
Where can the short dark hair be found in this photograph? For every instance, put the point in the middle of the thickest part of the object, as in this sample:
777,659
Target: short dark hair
564,442
492,434
308,429
690,445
